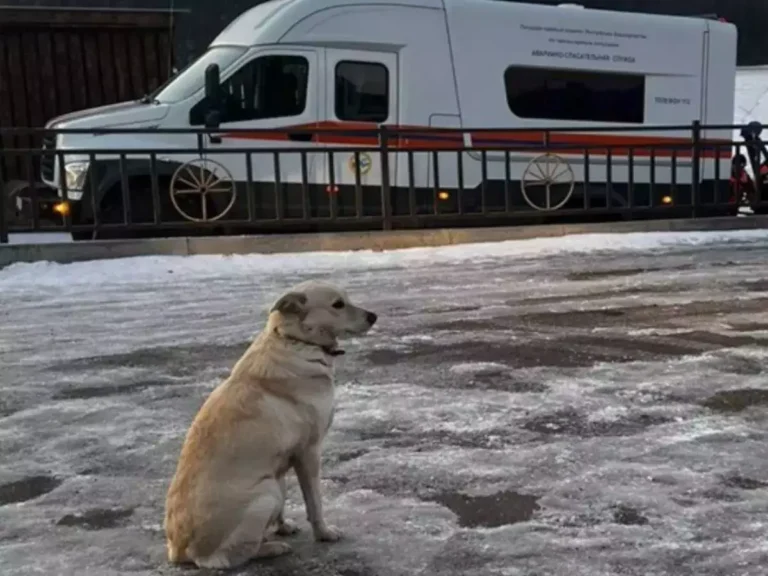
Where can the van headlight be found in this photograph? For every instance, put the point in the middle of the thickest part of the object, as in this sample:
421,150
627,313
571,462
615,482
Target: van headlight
75,174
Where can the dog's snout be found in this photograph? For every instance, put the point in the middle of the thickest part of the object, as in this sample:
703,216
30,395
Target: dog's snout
371,317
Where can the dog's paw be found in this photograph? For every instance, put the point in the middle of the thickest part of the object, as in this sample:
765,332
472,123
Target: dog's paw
287,528
327,534
273,549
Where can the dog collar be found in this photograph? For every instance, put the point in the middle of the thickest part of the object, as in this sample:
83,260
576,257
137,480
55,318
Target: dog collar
332,352
326,349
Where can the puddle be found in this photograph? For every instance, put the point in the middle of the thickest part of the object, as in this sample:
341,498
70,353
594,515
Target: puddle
448,309
491,511
748,326
621,272
652,315
628,516
355,572
736,400
420,441
96,519
755,286
351,455
744,483
87,392
564,353
612,312
27,489
519,387
599,274
738,365
720,495
721,340
177,360
6,409
505,383
599,295
572,423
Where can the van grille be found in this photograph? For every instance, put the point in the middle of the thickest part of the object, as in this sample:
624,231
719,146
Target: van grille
47,161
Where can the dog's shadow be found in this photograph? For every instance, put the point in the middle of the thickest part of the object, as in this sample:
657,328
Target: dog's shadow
309,558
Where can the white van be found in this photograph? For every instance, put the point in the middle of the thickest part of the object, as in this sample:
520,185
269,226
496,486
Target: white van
417,65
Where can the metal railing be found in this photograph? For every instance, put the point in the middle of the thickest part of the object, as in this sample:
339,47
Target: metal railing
199,181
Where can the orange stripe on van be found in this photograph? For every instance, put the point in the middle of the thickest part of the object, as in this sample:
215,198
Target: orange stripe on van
423,138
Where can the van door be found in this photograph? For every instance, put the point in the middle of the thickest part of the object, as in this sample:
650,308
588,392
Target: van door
273,88
361,90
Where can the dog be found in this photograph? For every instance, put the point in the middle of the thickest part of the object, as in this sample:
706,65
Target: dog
269,416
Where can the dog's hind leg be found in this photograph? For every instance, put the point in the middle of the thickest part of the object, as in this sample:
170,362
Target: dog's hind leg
246,542
284,527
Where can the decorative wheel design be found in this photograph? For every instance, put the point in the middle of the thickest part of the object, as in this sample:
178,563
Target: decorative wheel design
551,175
199,187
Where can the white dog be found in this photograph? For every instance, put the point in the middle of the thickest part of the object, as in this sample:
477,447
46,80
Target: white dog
270,415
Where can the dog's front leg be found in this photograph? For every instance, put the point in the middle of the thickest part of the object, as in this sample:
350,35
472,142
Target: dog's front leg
307,467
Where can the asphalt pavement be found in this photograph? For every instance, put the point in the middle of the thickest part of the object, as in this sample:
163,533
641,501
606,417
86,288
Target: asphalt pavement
593,411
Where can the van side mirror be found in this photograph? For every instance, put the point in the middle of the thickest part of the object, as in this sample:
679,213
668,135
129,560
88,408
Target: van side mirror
212,118
212,85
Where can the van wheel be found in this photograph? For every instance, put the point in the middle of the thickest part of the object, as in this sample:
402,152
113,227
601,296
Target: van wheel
140,199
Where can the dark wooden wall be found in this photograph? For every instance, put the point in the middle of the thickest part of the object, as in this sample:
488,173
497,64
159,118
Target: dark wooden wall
57,61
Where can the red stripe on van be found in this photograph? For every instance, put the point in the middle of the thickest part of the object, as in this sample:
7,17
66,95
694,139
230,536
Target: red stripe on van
424,138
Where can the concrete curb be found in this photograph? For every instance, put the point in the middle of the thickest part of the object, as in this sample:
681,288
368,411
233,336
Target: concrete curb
348,241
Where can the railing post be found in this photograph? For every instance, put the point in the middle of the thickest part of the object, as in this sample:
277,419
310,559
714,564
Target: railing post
386,198
3,198
695,166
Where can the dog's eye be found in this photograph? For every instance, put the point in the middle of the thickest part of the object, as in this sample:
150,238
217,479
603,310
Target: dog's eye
339,304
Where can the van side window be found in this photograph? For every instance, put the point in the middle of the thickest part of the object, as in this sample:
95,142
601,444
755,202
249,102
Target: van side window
266,87
362,91
549,94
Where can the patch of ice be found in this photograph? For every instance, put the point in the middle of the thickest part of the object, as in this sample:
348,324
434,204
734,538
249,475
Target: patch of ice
609,414
657,331
747,352
696,430
410,338
475,367
40,238
177,269
760,334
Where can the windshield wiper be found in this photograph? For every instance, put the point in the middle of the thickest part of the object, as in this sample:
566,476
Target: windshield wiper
146,99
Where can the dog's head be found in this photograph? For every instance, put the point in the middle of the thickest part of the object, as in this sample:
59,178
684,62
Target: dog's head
319,313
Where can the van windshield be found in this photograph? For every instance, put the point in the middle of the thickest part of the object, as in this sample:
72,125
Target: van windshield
192,78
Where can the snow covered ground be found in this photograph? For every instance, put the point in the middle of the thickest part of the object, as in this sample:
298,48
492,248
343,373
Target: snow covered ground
580,406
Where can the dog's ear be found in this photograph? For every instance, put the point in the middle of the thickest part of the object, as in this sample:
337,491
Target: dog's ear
291,304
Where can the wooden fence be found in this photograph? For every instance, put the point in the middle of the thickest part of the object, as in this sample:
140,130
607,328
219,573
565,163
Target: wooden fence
59,60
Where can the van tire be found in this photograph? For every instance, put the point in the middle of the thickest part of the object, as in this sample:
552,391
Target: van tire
140,198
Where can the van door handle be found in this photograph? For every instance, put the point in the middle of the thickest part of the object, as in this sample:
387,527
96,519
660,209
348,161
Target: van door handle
300,136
